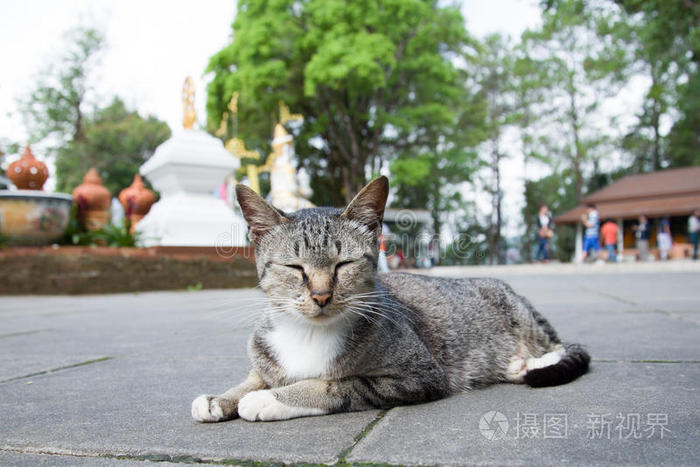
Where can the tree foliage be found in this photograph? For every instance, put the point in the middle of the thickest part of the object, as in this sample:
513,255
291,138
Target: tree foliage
495,72
113,139
658,39
56,106
668,36
116,141
579,74
365,74
430,173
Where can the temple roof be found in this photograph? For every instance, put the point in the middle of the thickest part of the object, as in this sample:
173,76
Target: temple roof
673,192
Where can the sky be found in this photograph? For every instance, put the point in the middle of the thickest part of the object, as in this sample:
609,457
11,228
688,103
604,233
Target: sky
152,45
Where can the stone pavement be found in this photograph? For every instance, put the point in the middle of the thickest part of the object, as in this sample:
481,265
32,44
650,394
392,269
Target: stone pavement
108,380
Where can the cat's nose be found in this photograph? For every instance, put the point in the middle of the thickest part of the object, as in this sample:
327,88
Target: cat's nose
322,298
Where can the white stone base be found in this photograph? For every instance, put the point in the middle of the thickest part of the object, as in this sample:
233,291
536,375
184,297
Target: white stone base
184,219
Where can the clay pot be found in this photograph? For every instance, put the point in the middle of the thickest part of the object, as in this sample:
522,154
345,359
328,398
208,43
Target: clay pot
93,201
27,173
136,200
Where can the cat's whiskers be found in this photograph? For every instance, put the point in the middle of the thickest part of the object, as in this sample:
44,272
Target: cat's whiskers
365,309
250,310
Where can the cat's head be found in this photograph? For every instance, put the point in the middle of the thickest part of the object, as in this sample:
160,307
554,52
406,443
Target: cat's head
316,263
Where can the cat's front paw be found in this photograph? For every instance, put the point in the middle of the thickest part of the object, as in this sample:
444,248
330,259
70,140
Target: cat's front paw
263,406
208,409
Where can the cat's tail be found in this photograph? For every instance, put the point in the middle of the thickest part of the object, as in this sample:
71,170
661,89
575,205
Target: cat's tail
558,367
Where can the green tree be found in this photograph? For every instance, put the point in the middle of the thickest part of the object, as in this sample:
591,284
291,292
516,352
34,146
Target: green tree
580,74
659,39
684,137
429,174
365,74
56,106
496,89
667,38
116,141
113,139
529,84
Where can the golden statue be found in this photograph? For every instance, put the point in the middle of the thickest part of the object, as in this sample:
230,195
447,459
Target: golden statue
279,163
188,114
285,116
233,103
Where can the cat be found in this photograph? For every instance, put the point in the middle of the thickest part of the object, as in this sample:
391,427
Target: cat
338,336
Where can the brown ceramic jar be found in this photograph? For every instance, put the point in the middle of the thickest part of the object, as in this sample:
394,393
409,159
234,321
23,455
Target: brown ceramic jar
136,200
93,201
27,173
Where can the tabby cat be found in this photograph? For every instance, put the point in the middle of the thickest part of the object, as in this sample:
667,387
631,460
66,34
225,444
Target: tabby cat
337,336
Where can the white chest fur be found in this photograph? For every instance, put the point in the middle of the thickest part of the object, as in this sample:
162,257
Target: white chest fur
304,350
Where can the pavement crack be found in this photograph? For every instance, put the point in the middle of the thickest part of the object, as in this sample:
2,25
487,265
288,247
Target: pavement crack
152,457
673,315
608,295
55,370
22,333
342,455
668,314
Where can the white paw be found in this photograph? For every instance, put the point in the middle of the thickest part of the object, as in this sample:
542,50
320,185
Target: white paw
207,409
516,370
263,405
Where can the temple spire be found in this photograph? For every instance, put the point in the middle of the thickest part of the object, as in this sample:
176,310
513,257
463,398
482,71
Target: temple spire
188,113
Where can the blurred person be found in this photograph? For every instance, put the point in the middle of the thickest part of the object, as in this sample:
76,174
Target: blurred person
609,232
382,263
694,231
642,232
591,239
544,233
663,238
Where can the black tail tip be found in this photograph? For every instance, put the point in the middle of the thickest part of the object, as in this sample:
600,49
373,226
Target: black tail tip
573,364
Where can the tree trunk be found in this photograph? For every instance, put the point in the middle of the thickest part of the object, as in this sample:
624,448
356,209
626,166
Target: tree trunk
495,224
655,122
435,215
78,127
499,252
656,155
578,155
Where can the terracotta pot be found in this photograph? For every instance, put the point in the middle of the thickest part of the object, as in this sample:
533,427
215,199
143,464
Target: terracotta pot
93,201
96,220
27,173
136,200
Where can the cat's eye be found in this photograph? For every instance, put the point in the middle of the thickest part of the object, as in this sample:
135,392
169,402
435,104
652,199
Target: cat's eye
341,264
298,268
337,268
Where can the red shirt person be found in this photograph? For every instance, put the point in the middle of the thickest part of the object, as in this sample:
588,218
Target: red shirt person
609,232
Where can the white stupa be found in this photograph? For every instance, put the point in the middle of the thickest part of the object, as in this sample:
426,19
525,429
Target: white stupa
187,170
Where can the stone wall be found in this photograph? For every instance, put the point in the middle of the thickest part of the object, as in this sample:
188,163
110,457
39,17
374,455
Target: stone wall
87,270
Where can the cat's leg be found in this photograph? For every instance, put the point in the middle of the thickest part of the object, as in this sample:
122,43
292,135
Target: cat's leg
517,368
318,397
208,408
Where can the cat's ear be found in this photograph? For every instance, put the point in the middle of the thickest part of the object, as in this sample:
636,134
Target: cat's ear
368,206
258,213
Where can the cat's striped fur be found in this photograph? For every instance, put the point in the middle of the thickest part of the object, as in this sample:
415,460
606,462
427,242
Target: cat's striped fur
338,337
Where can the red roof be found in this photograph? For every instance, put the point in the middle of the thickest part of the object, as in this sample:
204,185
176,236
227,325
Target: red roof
673,192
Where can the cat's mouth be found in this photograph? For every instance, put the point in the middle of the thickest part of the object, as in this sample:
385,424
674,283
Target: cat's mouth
319,315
